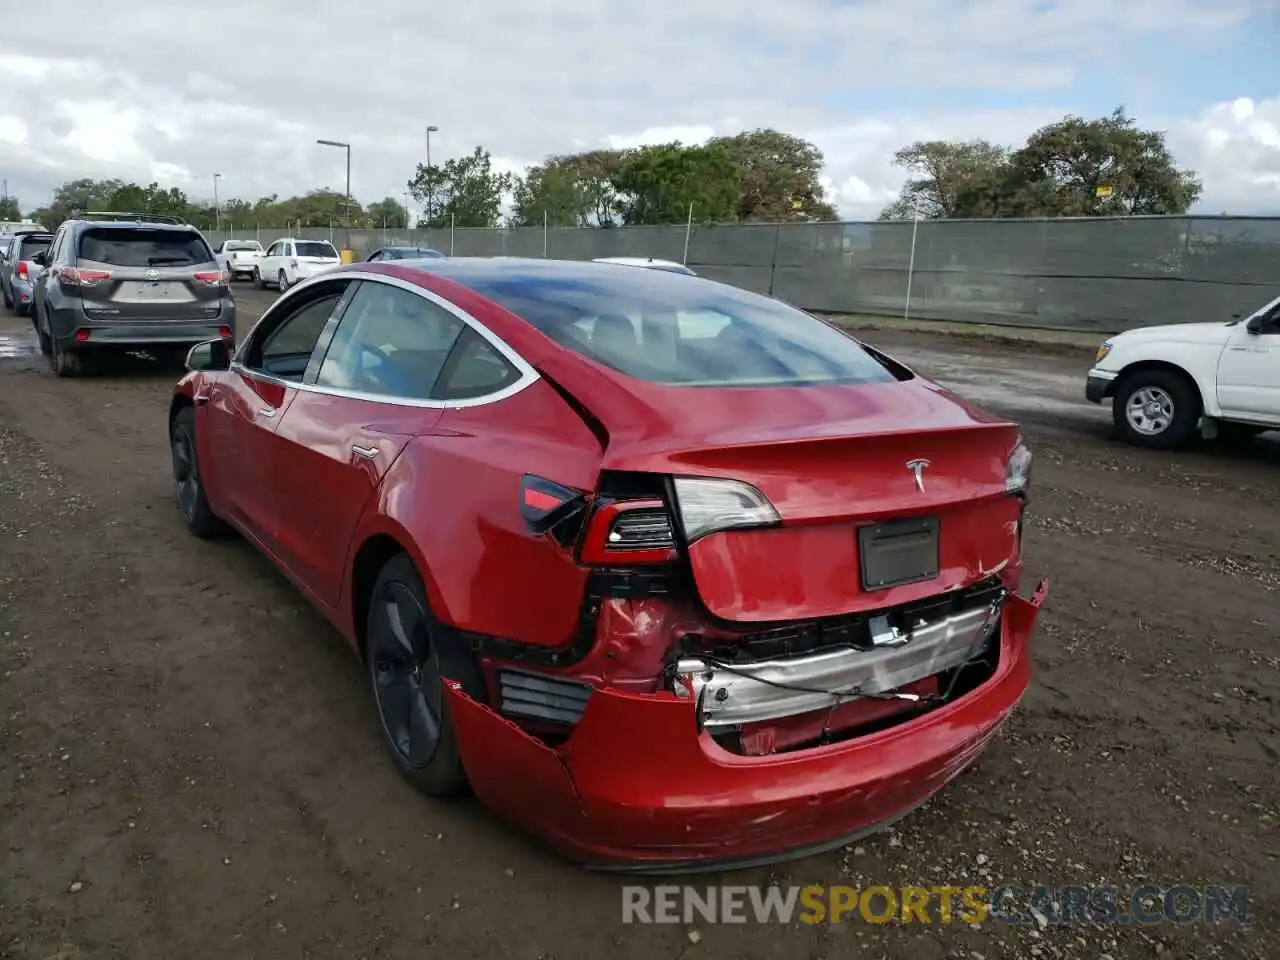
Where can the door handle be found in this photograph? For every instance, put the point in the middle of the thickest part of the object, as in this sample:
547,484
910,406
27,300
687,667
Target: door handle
369,453
268,412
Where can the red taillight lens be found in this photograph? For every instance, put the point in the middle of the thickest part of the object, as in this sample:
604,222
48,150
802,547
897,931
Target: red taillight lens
214,278
75,277
628,532
22,270
225,333
82,335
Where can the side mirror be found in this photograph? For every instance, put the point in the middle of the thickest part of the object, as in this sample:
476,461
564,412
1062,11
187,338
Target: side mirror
210,355
1254,325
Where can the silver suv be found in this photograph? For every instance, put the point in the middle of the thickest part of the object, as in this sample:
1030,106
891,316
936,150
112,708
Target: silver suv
122,280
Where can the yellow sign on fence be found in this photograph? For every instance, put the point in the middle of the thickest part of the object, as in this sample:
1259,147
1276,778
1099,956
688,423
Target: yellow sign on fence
1104,192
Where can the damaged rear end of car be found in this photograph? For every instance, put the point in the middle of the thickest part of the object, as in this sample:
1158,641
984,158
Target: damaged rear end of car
800,617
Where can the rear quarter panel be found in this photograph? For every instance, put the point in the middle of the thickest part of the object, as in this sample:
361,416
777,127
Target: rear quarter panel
453,500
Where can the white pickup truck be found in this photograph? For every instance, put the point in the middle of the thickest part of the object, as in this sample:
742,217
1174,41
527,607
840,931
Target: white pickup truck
240,258
1165,382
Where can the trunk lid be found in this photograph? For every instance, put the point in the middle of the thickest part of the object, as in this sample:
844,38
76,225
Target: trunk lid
839,465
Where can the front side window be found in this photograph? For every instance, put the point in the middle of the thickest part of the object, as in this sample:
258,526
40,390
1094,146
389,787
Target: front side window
283,350
684,331
391,342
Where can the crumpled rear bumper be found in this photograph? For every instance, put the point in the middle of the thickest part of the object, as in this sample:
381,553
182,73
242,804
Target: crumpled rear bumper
636,786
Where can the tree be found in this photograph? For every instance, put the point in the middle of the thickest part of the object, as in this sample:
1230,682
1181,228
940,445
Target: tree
9,209
465,191
388,212
571,189
947,179
1058,172
780,176
658,184
1062,166
550,193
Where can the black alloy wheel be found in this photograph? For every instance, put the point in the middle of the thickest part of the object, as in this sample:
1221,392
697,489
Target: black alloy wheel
405,670
197,513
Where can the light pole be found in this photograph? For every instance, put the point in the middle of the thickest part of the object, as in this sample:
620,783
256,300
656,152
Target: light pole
430,130
217,210
346,147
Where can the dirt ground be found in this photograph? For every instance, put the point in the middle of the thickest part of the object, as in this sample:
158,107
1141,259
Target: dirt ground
191,765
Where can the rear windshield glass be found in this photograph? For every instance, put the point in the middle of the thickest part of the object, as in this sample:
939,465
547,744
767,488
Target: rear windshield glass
314,248
670,329
29,248
143,248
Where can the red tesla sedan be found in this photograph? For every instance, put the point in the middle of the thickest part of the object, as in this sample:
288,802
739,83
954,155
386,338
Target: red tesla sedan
672,574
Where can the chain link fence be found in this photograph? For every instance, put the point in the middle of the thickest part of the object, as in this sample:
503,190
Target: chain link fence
1091,274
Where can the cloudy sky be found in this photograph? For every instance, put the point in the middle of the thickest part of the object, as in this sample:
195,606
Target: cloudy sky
175,90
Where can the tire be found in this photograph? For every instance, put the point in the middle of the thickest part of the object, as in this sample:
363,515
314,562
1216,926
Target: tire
46,342
8,299
282,282
257,278
66,363
1157,409
187,480
21,309
408,684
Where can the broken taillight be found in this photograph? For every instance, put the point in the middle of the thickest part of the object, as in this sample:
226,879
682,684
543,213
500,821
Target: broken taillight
623,532
21,270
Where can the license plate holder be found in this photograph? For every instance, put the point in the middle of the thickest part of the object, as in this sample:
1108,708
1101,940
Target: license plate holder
153,290
897,552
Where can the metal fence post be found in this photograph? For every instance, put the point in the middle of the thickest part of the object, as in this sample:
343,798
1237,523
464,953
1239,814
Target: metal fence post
688,229
911,264
773,264
544,234
451,222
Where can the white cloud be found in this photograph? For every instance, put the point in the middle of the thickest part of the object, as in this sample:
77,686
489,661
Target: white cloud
248,96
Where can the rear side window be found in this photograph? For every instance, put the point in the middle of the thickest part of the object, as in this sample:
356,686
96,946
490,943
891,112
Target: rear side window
656,326
314,248
474,369
143,248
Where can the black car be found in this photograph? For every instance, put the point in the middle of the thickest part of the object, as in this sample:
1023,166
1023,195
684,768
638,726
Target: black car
123,280
404,253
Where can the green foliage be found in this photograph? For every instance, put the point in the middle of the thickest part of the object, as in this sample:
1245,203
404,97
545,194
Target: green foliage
781,177
658,184
9,209
464,191
388,212
1056,173
758,175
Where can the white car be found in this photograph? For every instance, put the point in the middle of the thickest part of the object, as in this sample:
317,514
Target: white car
239,257
288,261
1164,382
670,266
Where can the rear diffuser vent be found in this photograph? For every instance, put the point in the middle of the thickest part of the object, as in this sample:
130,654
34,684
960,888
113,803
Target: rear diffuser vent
540,697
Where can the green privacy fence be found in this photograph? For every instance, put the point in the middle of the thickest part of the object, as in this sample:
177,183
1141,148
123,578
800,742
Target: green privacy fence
1089,274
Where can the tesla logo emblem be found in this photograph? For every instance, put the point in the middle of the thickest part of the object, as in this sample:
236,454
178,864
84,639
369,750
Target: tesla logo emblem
152,274
917,470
